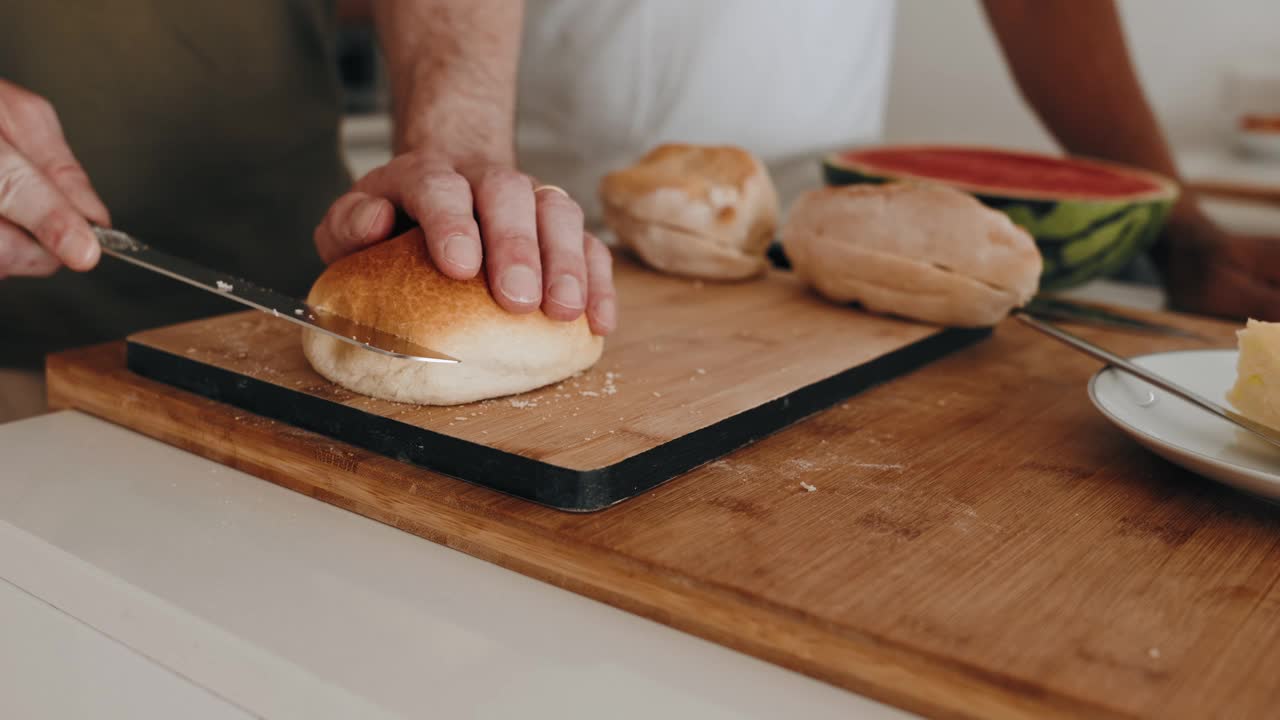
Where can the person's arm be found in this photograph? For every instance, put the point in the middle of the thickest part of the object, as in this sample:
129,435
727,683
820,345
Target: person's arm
453,65
1071,63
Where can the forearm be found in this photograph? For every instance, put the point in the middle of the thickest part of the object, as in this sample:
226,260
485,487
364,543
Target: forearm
1071,63
452,66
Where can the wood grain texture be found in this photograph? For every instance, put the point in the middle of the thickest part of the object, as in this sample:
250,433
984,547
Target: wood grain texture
687,355
980,543
1236,190
697,371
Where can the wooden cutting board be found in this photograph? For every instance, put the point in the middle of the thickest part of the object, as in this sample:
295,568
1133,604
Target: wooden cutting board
979,542
696,371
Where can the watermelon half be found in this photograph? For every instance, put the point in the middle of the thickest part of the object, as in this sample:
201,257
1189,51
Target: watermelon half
1089,218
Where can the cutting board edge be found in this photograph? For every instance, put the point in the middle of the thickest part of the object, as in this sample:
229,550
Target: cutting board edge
557,486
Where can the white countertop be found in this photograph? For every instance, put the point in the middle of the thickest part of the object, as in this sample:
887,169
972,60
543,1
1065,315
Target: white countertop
137,579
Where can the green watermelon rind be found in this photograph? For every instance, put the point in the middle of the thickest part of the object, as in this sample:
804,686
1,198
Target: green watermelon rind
1119,230
1066,230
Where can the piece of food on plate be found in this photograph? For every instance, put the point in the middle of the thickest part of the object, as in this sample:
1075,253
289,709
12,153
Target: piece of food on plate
1090,218
924,252
1256,393
698,211
393,286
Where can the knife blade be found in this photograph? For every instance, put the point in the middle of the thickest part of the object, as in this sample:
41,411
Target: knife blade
131,250
1057,309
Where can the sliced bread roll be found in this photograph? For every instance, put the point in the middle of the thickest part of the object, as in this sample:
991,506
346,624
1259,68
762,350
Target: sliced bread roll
393,286
697,211
924,252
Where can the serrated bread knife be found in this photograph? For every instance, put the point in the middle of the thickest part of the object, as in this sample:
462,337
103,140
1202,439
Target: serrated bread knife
120,245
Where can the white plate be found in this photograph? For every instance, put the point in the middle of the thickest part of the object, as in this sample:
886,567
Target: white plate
1183,433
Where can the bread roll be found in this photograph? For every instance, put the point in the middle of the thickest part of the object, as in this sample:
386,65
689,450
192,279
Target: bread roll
394,287
924,252
706,212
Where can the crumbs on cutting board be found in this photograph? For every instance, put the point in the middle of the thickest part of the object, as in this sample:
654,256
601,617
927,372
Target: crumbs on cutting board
808,487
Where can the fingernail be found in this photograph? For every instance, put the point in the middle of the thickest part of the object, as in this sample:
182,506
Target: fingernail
86,249
607,314
566,291
520,284
366,215
461,251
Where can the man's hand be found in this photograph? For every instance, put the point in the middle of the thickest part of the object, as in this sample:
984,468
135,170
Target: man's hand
452,66
1212,272
46,201
531,243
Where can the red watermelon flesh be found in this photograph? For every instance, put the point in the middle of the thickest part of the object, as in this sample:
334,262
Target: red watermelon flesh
1000,171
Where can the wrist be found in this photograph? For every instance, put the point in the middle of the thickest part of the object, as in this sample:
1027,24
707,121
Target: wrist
1186,230
464,127
458,149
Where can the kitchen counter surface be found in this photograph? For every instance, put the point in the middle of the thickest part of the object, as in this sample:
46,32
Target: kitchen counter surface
136,578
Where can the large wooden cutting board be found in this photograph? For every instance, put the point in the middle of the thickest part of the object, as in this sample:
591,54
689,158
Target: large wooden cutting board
696,371
979,542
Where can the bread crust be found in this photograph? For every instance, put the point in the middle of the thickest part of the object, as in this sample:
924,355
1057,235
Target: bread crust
394,287
924,252
698,211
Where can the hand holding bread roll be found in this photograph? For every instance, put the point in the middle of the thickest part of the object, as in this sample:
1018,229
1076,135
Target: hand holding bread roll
697,211
394,287
924,252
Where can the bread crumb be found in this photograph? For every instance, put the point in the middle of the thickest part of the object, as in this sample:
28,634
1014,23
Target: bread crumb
461,418
657,394
298,312
701,371
808,487
225,286
518,403
589,393
879,466
1154,653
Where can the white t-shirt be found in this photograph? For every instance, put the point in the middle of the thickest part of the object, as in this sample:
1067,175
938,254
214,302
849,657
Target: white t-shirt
603,81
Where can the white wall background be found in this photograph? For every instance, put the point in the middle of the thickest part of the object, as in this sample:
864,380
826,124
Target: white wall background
950,84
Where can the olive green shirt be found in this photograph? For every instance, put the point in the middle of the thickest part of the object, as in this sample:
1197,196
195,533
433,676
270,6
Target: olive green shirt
210,130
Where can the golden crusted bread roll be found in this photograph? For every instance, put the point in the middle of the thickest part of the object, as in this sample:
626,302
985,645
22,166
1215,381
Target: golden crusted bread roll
924,252
698,211
393,286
